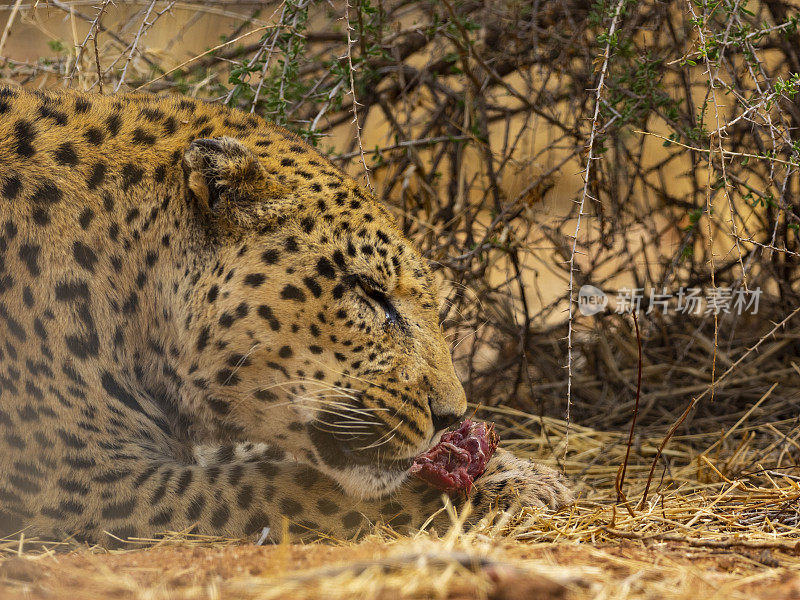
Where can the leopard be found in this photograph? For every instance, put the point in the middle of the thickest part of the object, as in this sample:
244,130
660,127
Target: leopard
207,327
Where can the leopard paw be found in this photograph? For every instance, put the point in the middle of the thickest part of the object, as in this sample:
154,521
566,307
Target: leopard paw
510,482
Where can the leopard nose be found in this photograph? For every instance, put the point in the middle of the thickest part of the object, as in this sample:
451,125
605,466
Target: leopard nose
442,420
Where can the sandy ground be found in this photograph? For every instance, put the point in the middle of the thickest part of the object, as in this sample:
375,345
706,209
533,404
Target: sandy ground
493,569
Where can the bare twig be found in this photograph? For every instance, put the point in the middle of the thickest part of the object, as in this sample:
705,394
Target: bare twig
587,177
623,468
143,28
355,104
9,24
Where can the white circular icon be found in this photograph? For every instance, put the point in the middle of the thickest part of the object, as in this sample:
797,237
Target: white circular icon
591,300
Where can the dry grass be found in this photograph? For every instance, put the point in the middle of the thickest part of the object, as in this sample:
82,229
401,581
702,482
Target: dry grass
702,532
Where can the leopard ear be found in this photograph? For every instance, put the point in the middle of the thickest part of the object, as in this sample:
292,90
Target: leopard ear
230,185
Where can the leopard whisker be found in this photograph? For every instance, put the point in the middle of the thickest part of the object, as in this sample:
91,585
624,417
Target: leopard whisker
302,381
468,335
337,433
325,407
331,401
350,408
344,416
354,426
350,375
240,362
380,441
386,441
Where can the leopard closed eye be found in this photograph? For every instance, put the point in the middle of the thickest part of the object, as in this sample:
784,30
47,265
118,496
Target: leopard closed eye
207,326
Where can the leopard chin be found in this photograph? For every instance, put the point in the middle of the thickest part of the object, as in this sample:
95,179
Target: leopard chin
368,482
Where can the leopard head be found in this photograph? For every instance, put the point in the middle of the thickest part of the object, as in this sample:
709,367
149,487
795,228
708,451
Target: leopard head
313,322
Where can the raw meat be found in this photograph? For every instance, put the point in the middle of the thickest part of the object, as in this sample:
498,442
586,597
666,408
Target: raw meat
461,456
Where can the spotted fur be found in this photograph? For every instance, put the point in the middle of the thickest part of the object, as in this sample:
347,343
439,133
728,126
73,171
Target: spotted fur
205,325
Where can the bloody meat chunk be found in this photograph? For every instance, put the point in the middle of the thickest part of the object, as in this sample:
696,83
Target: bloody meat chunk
460,457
